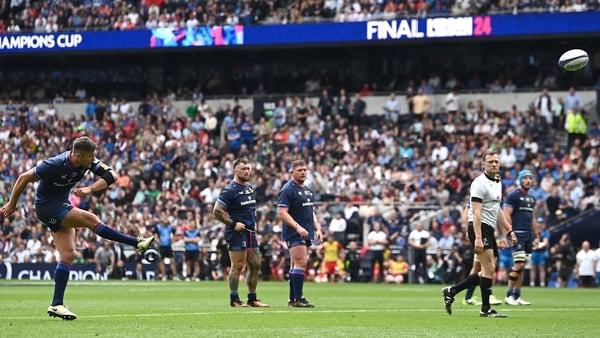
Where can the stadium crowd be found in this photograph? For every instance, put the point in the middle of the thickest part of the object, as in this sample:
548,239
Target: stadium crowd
44,16
369,172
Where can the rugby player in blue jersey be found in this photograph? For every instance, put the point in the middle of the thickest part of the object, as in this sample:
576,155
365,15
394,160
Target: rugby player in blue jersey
295,209
519,208
236,207
56,178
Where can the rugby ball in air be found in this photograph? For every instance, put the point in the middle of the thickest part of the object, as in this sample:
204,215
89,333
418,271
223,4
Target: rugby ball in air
573,60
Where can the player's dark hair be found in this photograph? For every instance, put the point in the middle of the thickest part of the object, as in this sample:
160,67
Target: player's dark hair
84,145
240,160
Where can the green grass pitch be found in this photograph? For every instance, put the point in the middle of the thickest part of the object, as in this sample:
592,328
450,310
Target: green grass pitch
201,309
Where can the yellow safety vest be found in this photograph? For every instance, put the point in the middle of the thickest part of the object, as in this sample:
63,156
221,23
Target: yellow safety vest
580,124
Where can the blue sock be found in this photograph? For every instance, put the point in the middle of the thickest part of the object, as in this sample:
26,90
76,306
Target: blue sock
297,275
110,233
233,295
251,297
61,277
517,293
509,292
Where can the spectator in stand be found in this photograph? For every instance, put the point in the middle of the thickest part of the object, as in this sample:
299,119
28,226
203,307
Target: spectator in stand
509,86
165,232
421,104
419,240
452,101
105,259
544,105
539,255
573,100
192,241
376,217
326,105
378,241
279,114
446,242
585,268
576,126
567,259
392,107
20,254
337,227
397,271
342,104
332,252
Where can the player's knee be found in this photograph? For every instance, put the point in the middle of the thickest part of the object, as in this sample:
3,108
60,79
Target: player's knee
67,256
253,265
300,264
298,260
515,272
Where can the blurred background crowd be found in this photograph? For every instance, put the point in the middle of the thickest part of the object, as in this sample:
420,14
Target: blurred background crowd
386,172
405,172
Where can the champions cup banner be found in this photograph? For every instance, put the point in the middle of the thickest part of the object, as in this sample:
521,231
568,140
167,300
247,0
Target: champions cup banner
476,27
45,271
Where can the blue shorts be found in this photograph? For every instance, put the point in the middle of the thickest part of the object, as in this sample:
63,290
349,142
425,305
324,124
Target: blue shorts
299,241
538,258
525,241
505,261
240,240
52,213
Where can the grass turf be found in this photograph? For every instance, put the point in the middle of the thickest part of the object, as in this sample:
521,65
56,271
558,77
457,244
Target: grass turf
178,309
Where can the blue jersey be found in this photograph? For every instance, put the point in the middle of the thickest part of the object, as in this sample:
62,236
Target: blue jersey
164,234
522,204
57,177
240,203
299,201
192,246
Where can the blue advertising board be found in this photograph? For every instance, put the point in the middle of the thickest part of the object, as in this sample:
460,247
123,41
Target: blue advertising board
45,271
472,27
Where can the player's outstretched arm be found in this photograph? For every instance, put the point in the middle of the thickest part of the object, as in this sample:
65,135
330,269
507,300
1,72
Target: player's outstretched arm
22,181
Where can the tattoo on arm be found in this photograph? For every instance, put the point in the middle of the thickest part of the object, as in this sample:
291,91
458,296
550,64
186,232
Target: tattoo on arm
221,214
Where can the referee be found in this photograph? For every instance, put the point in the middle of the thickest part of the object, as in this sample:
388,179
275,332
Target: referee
484,215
